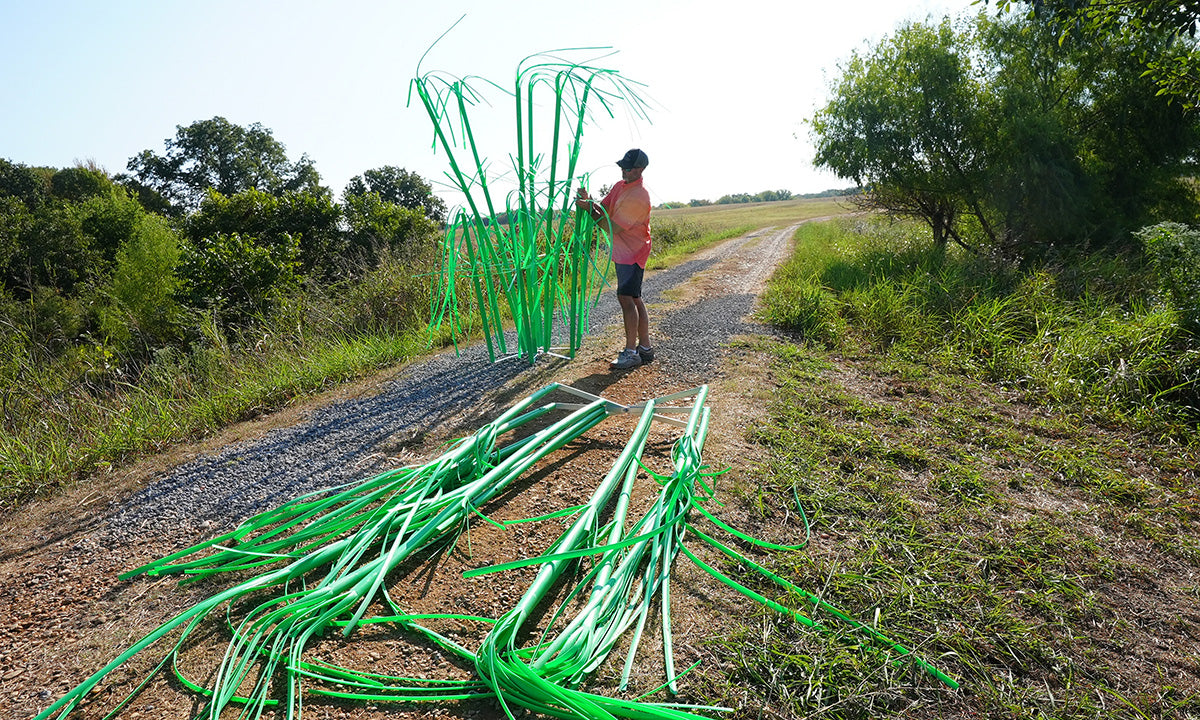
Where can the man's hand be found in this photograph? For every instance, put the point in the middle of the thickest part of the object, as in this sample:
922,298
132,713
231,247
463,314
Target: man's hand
584,202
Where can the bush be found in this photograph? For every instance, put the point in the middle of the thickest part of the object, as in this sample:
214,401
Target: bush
381,229
235,277
305,221
673,232
142,290
1174,253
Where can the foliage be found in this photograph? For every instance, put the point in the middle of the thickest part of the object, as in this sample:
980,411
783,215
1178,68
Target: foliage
996,131
308,219
51,250
143,288
1174,67
400,187
24,183
905,121
235,277
764,196
79,183
1174,252
1080,330
60,229
218,155
377,227
108,218
59,424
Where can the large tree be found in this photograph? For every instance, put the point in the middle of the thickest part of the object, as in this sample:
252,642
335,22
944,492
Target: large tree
904,121
1009,133
219,155
400,187
1174,65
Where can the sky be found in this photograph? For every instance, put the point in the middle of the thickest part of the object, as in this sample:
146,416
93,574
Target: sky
730,84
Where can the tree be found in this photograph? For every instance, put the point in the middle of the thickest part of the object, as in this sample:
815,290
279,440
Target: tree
905,122
399,186
59,228
79,183
377,226
235,277
141,292
1174,66
218,155
1003,128
29,185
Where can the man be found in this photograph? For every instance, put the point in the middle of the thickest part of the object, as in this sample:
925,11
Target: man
626,212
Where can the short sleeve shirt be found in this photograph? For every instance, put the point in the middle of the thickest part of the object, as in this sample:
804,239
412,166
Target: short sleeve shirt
628,206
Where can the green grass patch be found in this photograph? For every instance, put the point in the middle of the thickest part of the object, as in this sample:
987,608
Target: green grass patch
1086,333
89,432
1006,543
993,458
88,409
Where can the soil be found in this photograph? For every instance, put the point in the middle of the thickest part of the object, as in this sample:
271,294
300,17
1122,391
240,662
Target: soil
64,614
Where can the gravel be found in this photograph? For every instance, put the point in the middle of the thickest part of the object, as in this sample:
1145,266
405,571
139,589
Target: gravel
345,441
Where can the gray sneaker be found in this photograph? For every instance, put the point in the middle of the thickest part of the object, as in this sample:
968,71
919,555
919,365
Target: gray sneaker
645,353
627,359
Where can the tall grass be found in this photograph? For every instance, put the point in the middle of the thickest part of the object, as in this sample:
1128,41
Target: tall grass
1083,331
88,410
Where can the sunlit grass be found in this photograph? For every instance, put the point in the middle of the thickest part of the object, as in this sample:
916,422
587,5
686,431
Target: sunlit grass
1085,334
1009,545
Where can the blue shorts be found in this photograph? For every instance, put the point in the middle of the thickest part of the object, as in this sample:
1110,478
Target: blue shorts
629,279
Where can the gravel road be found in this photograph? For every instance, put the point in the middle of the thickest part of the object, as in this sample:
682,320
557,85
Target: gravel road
344,441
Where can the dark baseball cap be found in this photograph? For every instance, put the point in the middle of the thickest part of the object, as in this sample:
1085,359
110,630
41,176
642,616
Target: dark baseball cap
633,159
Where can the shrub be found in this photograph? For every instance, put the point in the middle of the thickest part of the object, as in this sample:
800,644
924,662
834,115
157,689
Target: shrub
143,287
234,276
1174,253
381,229
673,232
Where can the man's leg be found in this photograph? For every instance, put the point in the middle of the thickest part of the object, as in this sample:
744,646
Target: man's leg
633,314
643,325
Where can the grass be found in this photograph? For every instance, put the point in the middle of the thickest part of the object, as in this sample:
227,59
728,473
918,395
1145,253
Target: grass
978,484
89,412
680,232
784,212
89,433
1084,334
1044,562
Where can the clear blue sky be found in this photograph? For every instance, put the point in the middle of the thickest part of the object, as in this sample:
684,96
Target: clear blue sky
731,81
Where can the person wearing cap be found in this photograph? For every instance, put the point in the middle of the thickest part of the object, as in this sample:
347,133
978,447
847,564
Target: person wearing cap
625,211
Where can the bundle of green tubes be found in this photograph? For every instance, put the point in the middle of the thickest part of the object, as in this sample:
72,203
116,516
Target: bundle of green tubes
530,259
324,559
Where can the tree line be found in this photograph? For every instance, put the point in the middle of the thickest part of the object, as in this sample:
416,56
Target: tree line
221,225
733,199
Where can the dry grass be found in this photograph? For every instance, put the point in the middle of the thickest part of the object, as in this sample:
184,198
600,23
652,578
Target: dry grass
717,218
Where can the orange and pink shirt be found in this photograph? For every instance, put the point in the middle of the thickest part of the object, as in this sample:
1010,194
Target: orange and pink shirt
628,207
